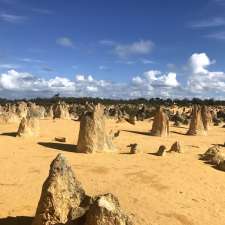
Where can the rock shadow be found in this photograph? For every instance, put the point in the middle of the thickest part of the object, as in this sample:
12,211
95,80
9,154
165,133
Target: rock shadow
138,132
18,220
59,146
10,134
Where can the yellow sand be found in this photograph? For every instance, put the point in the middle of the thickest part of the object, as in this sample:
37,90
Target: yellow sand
177,189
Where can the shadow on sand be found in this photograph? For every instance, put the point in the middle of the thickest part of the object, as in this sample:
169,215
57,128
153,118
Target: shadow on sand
10,134
154,154
19,220
175,132
138,132
207,162
59,146
25,220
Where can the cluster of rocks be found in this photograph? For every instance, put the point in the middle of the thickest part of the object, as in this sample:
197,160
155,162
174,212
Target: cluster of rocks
64,201
134,149
216,156
176,147
201,120
14,112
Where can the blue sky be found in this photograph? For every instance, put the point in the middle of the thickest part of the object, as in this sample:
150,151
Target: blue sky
125,48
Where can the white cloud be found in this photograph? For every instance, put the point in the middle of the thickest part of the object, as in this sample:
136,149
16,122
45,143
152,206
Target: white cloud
141,47
213,22
28,84
9,66
217,36
203,81
199,62
92,88
65,42
147,61
80,77
29,60
199,82
10,18
102,67
137,80
42,11
107,42
156,78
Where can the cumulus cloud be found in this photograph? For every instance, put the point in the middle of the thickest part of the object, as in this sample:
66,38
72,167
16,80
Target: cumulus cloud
199,62
202,81
65,42
154,83
28,84
199,82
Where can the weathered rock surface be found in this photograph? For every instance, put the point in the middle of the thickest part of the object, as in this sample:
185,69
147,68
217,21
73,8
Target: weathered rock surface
160,126
93,136
63,201
196,125
61,193
29,127
206,117
210,153
106,211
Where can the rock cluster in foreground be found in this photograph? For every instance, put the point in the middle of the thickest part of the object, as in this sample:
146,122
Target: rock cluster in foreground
216,156
64,201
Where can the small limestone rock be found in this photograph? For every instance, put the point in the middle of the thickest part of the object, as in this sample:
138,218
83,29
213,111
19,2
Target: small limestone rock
106,211
176,147
60,139
161,151
116,134
134,149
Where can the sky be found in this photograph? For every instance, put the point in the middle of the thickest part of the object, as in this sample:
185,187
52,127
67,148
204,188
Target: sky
112,48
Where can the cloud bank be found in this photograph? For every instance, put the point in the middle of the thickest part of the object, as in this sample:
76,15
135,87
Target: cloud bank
200,82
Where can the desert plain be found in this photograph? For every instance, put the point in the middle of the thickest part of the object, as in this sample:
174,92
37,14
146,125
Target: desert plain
177,189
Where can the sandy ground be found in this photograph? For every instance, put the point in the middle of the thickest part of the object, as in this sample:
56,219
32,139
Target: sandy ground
177,189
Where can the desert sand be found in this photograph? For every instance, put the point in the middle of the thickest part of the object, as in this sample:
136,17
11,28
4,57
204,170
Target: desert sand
177,189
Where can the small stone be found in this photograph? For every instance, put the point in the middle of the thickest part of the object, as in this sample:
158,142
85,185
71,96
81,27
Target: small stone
176,147
60,139
161,151
134,149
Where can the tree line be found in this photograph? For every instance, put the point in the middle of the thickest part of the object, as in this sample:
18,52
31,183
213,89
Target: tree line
105,101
